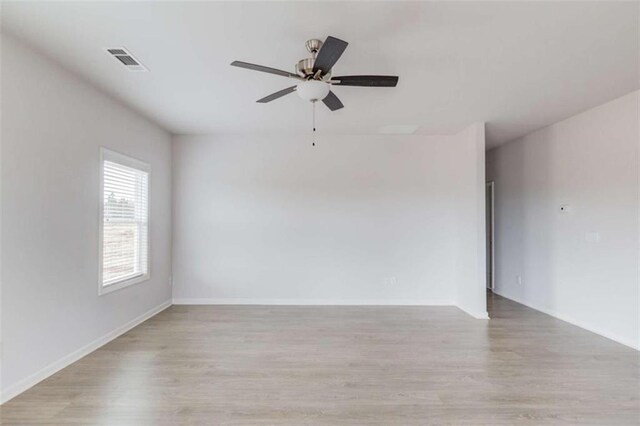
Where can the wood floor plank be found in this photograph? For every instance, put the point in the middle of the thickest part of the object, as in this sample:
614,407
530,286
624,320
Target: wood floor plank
342,365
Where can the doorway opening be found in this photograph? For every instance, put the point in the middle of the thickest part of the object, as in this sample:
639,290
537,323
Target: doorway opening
489,194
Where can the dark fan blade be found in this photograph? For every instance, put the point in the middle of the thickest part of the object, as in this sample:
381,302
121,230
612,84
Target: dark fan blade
329,54
365,80
332,101
277,95
261,68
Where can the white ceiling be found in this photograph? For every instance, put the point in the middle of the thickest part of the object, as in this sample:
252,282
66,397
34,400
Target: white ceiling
516,65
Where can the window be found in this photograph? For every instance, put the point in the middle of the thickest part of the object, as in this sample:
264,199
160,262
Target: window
124,221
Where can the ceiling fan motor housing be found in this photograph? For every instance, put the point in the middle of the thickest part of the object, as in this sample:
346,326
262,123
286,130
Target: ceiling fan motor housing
304,67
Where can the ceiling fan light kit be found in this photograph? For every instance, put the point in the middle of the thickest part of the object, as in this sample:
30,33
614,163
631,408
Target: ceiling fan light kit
313,90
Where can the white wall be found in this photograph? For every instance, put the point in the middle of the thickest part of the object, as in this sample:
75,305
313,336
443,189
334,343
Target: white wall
354,220
52,128
471,267
590,163
1,116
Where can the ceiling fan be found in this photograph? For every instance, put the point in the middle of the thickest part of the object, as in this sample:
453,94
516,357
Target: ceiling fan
315,76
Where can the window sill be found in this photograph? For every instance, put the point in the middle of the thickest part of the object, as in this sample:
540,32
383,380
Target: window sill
105,289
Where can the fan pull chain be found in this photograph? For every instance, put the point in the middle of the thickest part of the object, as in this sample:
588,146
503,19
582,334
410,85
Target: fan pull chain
313,140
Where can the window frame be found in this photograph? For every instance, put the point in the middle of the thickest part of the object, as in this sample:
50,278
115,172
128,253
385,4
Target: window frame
125,160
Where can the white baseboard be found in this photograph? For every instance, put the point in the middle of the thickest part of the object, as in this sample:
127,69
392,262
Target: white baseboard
313,302
24,384
618,339
326,302
476,315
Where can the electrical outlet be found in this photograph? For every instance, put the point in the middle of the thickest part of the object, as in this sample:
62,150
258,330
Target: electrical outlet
170,280
519,279
564,208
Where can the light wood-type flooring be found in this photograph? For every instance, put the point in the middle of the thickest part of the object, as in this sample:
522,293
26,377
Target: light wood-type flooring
340,365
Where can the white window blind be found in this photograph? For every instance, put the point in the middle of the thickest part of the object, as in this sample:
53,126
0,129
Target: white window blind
125,221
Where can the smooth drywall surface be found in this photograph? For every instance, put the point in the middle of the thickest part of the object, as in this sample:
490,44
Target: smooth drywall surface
566,212
53,126
1,342
353,220
471,231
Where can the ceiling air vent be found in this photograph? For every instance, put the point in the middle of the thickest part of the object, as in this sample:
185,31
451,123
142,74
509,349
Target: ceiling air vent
127,59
